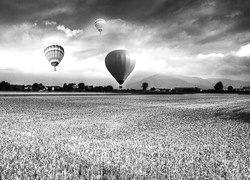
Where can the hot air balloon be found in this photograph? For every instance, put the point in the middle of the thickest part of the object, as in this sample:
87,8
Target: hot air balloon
54,54
99,24
120,64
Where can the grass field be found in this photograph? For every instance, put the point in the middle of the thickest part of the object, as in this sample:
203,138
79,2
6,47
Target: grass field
200,136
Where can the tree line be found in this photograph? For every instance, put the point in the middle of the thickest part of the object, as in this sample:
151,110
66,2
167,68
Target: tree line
218,87
88,88
81,87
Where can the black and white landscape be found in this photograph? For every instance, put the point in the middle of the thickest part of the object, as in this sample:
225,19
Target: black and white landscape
101,124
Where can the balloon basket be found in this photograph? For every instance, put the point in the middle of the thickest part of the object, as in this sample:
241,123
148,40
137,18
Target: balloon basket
54,68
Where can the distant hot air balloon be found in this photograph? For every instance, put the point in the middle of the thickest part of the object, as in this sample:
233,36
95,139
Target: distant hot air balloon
120,64
99,24
54,54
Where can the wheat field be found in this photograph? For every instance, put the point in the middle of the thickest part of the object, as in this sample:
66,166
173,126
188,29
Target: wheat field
195,136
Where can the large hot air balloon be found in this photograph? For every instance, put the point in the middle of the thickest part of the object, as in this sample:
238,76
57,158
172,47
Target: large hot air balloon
120,64
54,54
99,24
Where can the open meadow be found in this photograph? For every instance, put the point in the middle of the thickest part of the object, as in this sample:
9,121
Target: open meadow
195,136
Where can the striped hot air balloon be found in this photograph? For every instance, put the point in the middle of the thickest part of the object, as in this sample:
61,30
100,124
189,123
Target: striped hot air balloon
99,24
54,54
120,64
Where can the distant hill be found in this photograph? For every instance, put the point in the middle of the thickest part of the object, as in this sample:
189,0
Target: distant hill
133,82
162,81
172,81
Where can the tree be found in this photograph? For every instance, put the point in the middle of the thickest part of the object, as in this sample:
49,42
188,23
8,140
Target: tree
65,87
144,86
35,87
108,88
218,86
41,86
4,86
230,88
152,89
89,88
98,89
81,86
70,86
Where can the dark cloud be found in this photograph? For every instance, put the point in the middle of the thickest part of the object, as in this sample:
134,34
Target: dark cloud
76,13
130,10
235,13
17,11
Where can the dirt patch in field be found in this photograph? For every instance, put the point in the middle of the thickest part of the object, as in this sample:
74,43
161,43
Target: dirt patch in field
242,116
239,114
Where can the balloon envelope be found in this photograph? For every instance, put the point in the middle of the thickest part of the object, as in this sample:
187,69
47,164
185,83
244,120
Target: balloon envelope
120,64
54,54
99,24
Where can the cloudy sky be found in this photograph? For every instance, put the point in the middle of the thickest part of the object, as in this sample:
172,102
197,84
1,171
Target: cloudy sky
202,38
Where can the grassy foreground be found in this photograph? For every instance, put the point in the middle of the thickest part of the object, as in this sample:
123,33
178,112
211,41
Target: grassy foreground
125,137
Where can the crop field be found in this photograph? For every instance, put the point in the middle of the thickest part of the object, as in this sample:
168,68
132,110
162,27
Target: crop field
196,136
